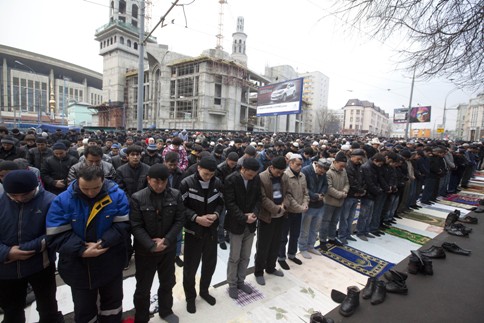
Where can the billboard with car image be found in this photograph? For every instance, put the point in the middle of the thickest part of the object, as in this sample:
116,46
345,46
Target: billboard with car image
280,98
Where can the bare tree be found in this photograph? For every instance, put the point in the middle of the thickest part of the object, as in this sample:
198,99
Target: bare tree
446,37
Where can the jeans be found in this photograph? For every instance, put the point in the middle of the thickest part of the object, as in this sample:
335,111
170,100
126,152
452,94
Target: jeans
376,215
444,183
364,219
221,234
347,216
392,202
239,257
179,240
310,223
291,226
412,195
331,215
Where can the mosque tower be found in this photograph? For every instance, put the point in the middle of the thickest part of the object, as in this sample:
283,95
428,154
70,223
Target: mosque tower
238,43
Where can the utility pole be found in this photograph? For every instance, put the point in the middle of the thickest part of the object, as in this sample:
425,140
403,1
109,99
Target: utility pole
410,105
141,69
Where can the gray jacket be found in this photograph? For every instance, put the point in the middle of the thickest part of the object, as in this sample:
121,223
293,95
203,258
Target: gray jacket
338,187
109,171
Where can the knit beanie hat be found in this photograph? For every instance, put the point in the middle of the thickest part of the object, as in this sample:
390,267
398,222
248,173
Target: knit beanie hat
208,163
279,162
159,171
20,181
59,145
8,140
233,156
251,164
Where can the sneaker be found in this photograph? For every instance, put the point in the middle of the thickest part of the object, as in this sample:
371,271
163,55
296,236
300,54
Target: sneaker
296,261
305,254
277,273
260,280
314,251
178,261
369,235
223,246
350,238
233,292
245,288
362,237
283,264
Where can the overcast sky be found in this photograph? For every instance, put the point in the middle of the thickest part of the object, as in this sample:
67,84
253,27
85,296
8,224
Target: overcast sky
302,33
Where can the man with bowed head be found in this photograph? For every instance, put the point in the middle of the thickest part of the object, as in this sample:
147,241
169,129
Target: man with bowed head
157,216
24,257
88,225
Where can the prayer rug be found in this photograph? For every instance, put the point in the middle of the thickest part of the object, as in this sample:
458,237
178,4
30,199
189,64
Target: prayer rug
244,298
410,236
426,218
475,188
358,260
464,199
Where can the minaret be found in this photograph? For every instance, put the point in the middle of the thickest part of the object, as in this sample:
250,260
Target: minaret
119,48
238,44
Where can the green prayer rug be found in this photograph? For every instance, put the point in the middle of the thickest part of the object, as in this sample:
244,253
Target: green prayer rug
456,204
358,260
410,236
426,218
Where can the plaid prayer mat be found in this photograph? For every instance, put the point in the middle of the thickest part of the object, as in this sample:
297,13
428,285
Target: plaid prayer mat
410,236
463,199
358,260
245,299
426,218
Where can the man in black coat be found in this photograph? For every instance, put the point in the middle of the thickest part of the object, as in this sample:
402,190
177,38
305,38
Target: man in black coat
55,169
157,216
242,201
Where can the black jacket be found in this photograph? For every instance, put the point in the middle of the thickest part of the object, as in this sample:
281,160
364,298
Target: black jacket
36,157
155,215
437,167
14,153
355,178
130,179
223,170
371,175
151,160
200,202
54,169
240,200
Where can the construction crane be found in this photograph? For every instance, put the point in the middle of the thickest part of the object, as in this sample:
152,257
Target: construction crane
220,35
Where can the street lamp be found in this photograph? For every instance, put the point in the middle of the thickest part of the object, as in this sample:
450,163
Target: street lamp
40,83
445,109
64,100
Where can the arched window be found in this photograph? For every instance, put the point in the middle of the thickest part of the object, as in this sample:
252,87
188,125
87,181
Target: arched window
122,6
129,43
135,45
121,40
115,39
111,41
134,11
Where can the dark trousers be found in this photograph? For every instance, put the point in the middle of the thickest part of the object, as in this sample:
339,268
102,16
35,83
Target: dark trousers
292,227
146,267
268,242
14,291
196,249
431,184
110,300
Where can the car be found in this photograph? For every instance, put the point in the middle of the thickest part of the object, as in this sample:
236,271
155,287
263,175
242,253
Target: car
284,91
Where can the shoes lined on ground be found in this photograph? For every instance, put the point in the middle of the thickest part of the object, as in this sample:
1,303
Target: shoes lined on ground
453,248
283,264
351,301
369,288
468,219
305,254
419,263
435,252
396,282
379,293
178,261
317,317
295,260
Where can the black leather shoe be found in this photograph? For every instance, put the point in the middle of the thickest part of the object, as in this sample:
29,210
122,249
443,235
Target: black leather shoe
335,242
434,252
398,216
453,248
462,227
317,317
396,287
379,293
468,219
414,265
456,231
451,218
351,301
396,276
427,268
283,264
369,288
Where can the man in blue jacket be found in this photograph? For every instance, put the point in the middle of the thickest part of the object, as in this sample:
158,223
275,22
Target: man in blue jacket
24,258
88,225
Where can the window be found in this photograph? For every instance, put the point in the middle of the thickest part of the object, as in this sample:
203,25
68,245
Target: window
134,11
121,40
218,91
129,43
135,45
185,87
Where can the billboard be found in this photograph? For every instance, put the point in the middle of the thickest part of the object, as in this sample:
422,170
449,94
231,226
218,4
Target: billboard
280,98
417,115
420,133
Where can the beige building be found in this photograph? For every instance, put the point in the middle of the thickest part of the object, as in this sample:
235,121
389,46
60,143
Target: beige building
315,92
473,125
364,117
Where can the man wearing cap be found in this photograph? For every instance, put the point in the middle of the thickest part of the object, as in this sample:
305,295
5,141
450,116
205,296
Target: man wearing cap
88,225
55,169
338,187
92,157
296,201
249,152
356,191
271,217
311,219
114,151
242,201
217,154
151,156
8,150
157,216
236,147
202,197
38,154
24,257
